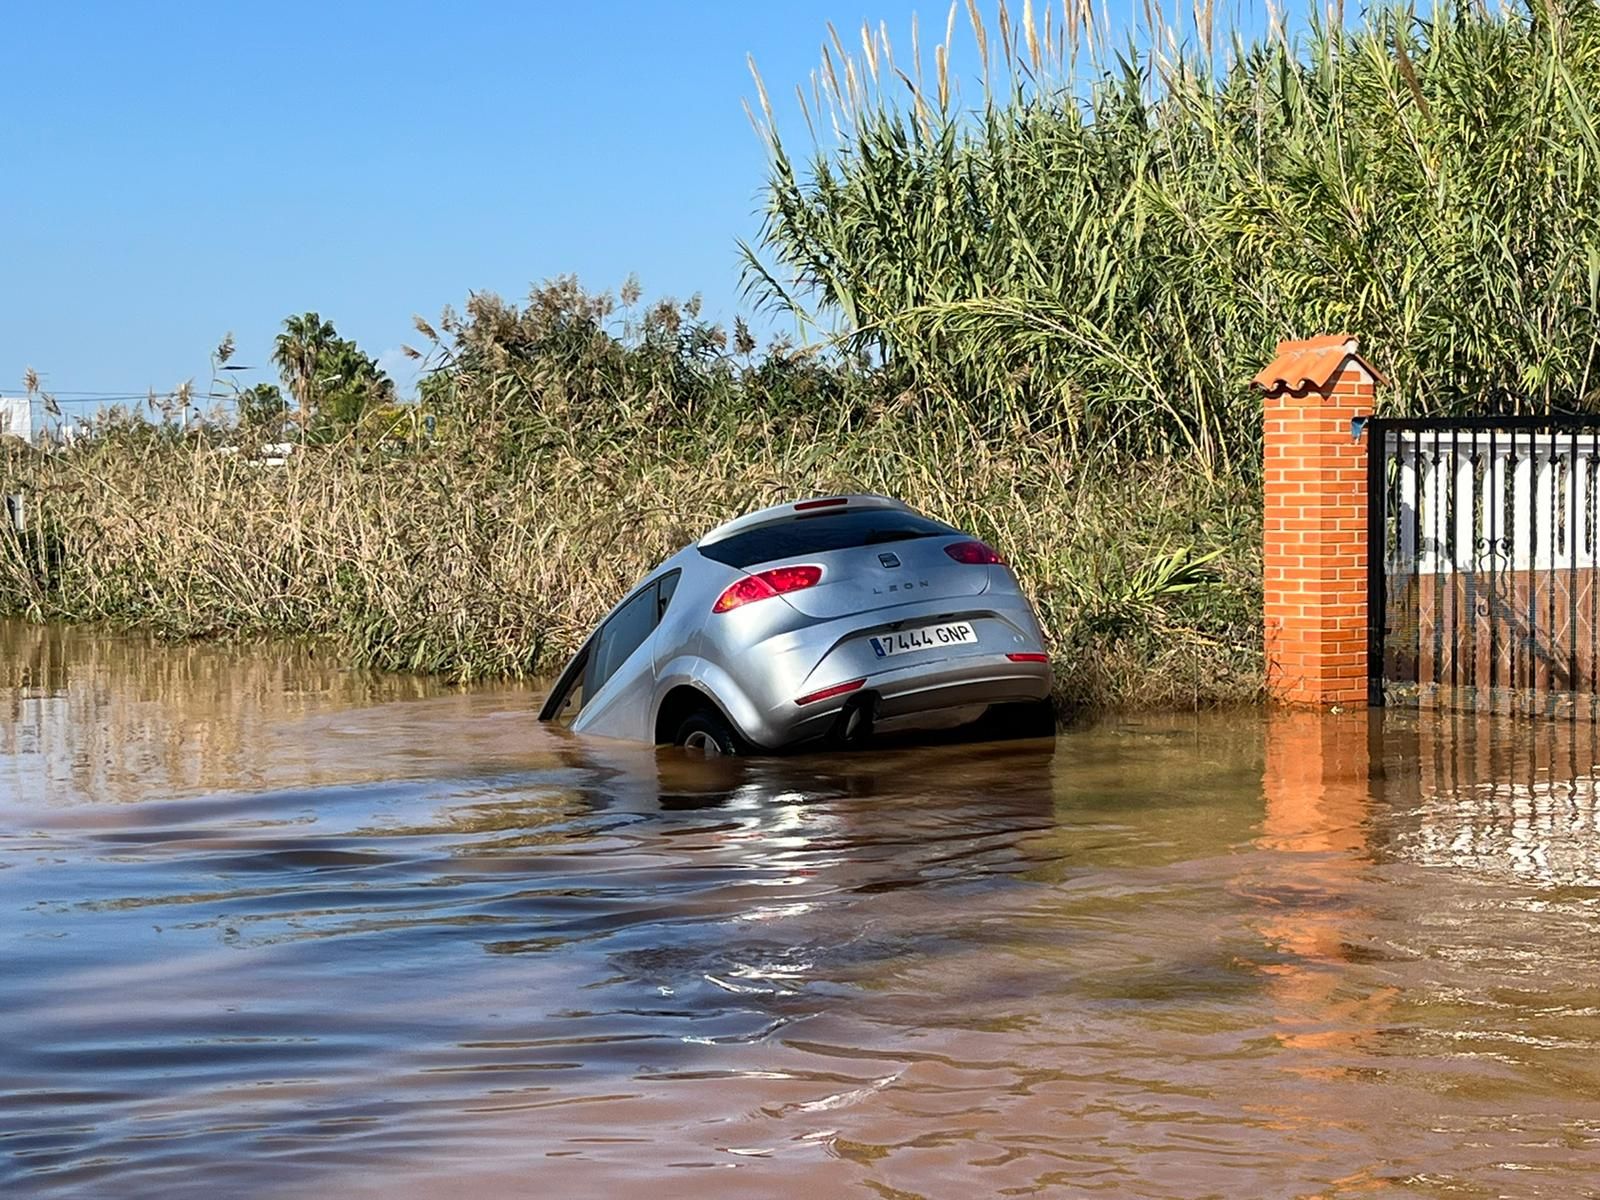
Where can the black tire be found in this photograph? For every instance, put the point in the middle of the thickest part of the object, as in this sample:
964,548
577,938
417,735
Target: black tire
708,733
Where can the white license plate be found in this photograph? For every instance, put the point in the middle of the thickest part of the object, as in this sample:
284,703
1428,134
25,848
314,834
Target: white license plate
929,637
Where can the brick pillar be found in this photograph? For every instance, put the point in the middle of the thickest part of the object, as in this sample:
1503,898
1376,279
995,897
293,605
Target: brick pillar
1314,546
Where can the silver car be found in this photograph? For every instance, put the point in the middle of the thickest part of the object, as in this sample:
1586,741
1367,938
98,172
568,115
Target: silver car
832,618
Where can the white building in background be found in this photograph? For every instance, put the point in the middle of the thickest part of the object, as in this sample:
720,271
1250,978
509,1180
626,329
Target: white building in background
16,417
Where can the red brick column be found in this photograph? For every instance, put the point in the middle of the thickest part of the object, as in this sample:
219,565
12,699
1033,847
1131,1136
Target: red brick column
1314,547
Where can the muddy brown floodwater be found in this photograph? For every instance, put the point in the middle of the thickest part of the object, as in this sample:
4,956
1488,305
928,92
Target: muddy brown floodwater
272,929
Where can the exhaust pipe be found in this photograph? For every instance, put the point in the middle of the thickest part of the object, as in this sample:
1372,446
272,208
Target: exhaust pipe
856,718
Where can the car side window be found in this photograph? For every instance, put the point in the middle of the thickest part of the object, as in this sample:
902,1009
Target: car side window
567,696
665,586
626,631
619,637
571,704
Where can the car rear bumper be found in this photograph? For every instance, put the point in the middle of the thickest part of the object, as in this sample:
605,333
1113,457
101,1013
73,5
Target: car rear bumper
903,697
759,681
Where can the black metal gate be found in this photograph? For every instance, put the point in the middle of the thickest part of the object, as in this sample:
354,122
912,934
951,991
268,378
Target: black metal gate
1482,556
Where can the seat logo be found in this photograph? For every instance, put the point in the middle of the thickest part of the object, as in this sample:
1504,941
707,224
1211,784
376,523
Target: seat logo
889,560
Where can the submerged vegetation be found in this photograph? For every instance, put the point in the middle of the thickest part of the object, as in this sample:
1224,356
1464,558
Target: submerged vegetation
1040,307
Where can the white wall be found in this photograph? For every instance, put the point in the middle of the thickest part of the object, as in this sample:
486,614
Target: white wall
16,417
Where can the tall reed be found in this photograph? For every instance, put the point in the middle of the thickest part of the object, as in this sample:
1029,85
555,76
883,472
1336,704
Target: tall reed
1112,233
462,557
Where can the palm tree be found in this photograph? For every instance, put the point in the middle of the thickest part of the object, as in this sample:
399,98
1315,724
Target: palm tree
298,350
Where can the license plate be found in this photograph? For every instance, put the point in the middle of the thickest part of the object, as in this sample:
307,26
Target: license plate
929,637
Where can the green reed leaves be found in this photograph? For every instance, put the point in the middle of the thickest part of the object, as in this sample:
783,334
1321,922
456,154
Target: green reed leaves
1108,239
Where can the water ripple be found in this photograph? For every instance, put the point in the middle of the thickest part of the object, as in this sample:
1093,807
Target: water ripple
453,953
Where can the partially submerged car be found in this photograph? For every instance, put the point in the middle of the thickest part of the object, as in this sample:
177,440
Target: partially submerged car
830,618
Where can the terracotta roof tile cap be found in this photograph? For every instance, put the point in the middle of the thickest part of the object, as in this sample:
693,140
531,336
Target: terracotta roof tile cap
1311,363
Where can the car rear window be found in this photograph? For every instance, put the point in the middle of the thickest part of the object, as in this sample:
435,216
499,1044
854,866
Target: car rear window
817,533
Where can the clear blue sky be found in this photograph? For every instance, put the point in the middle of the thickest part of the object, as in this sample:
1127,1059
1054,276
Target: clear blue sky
175,172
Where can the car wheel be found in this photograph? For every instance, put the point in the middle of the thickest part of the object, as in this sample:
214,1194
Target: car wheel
705,732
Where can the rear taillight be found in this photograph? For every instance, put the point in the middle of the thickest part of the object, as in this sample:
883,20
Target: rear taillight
765,584
828,693
974,554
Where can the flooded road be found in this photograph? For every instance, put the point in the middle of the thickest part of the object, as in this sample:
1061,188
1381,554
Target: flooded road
272,929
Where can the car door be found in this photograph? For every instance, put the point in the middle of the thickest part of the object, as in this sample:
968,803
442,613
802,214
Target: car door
618,673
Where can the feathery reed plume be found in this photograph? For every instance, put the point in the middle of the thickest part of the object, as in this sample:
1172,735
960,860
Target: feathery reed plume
869,50
1102,259
761,90
981,36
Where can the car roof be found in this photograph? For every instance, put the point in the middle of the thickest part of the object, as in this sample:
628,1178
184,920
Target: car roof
799,508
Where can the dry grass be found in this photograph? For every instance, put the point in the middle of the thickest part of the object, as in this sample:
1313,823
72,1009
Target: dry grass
449,561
